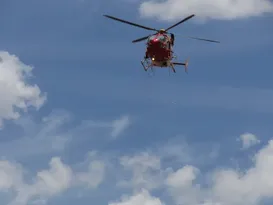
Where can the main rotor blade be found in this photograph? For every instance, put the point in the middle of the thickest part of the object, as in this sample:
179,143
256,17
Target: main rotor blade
185,19
140,39
127,22
203,39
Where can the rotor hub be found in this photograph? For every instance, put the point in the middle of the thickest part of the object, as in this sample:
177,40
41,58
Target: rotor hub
162,31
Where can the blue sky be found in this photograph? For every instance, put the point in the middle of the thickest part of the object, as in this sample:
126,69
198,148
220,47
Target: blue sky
82,122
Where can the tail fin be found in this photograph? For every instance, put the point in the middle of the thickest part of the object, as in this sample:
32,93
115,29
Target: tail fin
184,64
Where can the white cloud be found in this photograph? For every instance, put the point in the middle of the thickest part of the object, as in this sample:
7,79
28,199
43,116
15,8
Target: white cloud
10,175
169,168
249,187
51,134
95,174
37,138
119,126
143,167
47,183
16,94
142,197
179,150
248,140
151,168
183,183
213,9
182,177
188,185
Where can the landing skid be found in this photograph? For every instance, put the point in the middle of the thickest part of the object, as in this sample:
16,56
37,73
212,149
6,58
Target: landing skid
147,64
184,64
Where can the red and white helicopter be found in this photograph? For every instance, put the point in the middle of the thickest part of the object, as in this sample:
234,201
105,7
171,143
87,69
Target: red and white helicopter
159,50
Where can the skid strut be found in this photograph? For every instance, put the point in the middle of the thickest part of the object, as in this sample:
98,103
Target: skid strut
184,64
145,68
147,64
173,68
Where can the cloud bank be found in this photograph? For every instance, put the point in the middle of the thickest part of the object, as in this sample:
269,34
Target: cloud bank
185,185
210,9
54,134
55,180
151,176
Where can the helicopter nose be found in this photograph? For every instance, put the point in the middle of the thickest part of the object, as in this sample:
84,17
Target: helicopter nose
154,41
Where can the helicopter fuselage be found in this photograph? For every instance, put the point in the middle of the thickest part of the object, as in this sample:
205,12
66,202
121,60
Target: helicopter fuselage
159,49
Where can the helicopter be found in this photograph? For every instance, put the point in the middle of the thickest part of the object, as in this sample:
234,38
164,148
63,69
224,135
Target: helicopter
159,46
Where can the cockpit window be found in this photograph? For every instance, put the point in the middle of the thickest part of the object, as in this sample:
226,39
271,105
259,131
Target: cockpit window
151,38
162,39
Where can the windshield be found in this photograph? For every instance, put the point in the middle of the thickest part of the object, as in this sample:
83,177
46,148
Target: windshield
151,38
163,39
